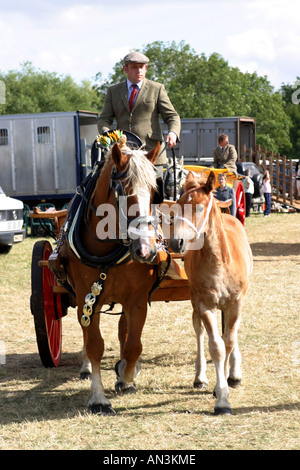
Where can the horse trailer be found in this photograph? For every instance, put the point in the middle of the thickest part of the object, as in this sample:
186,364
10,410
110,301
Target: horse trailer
199,137
45,156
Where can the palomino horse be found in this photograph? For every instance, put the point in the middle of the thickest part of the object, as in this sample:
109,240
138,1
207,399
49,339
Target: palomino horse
218,264
97,258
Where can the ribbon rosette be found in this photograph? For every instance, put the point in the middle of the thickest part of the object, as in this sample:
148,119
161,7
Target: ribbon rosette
110,138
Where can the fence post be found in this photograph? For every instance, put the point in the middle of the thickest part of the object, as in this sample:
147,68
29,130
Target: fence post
277,176
264,163
284,178
257,155
271,163
250,154
291,182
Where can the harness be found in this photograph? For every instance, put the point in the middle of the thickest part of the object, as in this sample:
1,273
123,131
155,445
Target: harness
77,216
199,231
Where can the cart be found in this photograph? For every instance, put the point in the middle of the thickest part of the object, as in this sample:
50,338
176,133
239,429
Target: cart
235,182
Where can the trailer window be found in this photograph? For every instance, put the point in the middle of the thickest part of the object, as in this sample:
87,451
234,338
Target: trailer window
3,137
43,135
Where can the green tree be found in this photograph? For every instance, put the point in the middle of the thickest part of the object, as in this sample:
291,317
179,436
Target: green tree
33,91
205,87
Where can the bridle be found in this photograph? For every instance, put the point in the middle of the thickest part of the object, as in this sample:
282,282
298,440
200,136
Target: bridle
197,231
125,220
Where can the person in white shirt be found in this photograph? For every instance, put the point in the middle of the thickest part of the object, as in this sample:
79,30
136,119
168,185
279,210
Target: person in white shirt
249,191
267,193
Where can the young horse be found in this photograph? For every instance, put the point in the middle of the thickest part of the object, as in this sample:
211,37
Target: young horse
218,264
102,271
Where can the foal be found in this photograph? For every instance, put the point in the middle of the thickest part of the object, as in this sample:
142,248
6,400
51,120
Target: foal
218,264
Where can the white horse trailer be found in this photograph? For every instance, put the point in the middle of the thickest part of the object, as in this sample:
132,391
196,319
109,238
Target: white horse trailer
45,156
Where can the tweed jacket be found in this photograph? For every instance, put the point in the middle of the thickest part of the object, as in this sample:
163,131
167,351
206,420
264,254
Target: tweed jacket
152,101
225,158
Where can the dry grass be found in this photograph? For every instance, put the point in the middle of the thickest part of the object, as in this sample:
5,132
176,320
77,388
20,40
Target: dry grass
46,408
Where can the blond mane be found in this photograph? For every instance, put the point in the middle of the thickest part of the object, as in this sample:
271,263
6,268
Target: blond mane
140,171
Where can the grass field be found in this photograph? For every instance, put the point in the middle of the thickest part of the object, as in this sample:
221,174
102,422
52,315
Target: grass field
47,408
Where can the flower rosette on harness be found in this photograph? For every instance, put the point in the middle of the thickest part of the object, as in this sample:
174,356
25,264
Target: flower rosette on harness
109,138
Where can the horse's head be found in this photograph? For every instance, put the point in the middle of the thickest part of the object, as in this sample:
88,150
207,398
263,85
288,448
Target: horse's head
134,178
174,179
192,212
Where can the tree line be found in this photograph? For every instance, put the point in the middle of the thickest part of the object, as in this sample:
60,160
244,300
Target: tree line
199,86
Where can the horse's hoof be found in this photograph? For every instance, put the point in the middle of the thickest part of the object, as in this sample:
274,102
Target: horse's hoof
122,388
200,385
85,375
234,383
223,411
137,368
104,410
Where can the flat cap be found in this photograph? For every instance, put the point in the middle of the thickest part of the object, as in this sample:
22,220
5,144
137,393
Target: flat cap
136,57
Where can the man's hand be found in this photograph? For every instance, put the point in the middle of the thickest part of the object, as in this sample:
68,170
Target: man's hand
171,139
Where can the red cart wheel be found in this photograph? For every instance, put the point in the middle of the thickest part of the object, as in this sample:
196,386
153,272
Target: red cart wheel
47,308
240,201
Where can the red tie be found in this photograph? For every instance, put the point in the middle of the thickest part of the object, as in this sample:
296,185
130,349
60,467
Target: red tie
132,96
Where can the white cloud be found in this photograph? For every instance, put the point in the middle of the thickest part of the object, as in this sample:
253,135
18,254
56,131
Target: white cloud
253,43
83,38
73,16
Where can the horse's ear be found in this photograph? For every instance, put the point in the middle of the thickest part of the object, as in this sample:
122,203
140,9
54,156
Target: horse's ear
153,154
118,158
190,177
190,181
210,183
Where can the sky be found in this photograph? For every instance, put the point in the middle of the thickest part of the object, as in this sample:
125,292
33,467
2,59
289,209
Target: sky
82,38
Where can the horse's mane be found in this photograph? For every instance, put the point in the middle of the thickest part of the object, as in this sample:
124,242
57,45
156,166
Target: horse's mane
140,171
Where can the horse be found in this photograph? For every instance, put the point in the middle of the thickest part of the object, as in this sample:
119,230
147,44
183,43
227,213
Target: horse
173,185
218,263
107,249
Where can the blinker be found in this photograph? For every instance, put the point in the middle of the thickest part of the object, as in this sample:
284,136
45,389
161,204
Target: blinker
159,194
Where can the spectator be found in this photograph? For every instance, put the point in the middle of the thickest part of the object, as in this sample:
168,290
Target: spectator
225,193
249,191
267,193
